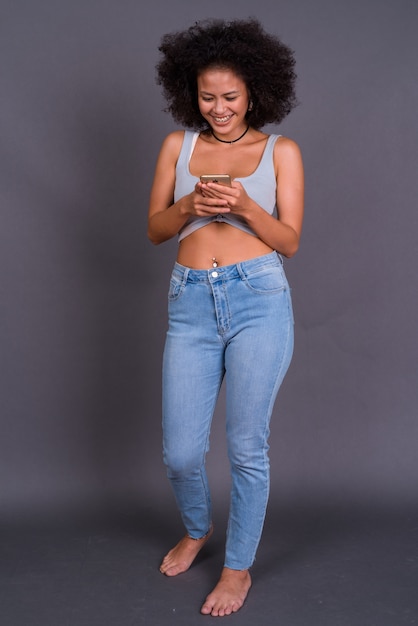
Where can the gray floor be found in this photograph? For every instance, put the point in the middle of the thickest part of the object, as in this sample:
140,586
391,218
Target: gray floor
317,565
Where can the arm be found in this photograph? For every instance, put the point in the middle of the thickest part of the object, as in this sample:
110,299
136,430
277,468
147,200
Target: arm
166,217
282,234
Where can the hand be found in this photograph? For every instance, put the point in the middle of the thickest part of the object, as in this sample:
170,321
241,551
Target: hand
234,197
203,202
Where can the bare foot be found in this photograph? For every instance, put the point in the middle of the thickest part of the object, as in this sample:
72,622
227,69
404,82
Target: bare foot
229,594
180,558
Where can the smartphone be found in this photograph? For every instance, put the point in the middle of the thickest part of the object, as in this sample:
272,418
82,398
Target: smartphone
221,179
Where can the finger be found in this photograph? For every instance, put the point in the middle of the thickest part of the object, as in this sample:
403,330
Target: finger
222,191
213,201
212,210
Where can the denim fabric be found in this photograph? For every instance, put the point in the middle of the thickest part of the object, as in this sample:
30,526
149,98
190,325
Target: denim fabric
233,322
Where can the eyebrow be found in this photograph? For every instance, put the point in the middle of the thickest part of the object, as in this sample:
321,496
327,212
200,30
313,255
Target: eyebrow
228,93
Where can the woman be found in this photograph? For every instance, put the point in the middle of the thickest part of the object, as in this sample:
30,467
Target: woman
230,313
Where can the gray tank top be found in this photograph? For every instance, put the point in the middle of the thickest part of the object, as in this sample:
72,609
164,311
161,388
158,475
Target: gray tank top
260,186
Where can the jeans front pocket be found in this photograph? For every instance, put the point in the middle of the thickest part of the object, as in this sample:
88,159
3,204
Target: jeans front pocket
176,286
265,280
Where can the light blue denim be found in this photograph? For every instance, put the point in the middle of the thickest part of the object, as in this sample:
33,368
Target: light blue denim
233,322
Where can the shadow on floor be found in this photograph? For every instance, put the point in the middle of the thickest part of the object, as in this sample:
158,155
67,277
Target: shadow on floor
317,565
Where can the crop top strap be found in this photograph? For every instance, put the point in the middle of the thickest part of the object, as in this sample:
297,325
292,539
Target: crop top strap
269,149
194,138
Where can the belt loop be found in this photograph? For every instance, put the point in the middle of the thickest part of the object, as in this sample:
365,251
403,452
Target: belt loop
185,275
241,271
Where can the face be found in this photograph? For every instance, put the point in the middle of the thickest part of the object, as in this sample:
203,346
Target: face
223,101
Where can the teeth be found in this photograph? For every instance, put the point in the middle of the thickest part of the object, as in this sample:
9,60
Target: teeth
222,119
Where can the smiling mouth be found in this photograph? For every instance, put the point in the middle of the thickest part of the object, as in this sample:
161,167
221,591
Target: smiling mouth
222,120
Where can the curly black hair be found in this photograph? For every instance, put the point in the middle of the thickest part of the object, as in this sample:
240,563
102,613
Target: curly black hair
261,60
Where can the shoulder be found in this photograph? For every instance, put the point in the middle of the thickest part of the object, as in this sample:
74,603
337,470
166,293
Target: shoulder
285,149
171,147
284,144
174,141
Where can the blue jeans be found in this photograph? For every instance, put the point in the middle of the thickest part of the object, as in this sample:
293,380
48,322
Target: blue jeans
233,322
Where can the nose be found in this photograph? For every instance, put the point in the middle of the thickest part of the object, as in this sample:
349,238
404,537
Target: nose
218,106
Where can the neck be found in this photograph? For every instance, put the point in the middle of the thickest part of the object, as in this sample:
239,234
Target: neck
229,140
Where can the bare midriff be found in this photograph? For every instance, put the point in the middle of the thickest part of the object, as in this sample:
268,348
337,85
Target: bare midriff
227,244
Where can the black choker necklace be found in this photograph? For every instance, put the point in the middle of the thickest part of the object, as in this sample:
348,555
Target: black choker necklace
234,140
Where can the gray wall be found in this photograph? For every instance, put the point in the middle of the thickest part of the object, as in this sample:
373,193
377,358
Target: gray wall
83,293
